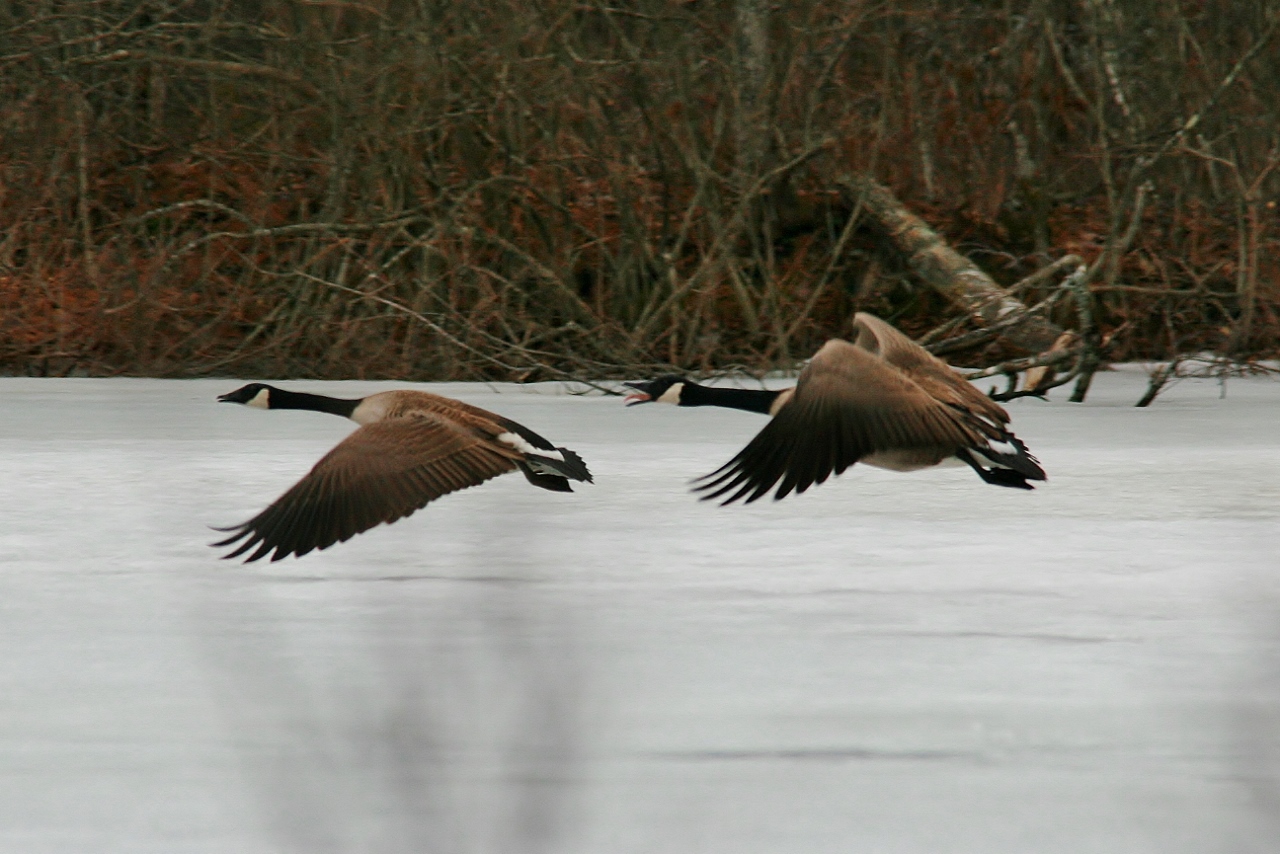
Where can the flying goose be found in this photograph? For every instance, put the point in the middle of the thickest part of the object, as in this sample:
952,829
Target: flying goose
882,400
411,448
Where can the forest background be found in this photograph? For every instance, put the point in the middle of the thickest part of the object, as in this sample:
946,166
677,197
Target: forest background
556,189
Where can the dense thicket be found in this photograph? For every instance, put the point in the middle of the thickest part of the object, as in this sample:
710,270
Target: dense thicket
539,188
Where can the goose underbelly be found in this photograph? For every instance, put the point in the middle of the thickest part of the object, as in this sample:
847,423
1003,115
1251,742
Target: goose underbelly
911,460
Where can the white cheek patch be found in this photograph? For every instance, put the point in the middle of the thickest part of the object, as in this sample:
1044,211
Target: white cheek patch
672,394
517,441
261,400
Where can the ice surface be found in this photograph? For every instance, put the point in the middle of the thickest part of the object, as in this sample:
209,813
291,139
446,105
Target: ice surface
888,663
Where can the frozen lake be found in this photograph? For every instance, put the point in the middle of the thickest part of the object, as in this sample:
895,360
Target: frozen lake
889,663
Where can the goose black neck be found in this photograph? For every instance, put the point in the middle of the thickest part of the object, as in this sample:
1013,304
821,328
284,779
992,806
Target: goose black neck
750,399
281,399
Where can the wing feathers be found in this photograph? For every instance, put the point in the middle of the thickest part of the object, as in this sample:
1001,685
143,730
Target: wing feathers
925,369
380,473
851,402
413,448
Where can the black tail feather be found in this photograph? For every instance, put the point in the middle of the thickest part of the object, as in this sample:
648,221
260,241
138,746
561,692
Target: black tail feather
574,467
553,482
555,474
1002,471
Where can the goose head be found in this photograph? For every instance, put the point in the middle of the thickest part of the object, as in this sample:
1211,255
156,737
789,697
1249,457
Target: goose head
667,389
257,395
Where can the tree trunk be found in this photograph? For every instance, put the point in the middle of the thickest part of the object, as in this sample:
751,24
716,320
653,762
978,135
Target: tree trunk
946,270
751,129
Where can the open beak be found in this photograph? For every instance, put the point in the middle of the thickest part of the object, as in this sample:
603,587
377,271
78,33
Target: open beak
225,398
639,396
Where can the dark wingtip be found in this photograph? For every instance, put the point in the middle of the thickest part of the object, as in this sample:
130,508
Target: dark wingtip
240,532
228,541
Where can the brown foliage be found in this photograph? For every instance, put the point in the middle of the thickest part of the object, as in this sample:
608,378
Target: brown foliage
439,190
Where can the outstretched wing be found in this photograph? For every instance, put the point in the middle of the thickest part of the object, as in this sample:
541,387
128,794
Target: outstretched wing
928,371
847,405
380,473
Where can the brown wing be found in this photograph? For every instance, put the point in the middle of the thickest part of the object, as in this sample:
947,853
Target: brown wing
927,370
847,404
490,422
380,473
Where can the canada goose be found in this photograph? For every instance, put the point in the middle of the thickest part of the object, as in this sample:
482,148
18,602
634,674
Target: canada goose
411,448
882,400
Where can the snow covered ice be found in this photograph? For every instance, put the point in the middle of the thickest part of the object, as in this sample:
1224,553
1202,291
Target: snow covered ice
888,663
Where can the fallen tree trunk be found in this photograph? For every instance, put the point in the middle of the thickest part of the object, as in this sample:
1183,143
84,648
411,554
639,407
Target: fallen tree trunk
947,271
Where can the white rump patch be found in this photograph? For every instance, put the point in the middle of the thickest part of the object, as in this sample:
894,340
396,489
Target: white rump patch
517,441
989,459
999,447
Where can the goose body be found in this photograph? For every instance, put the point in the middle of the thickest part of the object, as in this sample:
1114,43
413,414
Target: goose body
411,448
881,400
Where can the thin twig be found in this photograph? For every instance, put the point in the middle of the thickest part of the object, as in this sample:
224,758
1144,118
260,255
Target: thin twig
452,339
